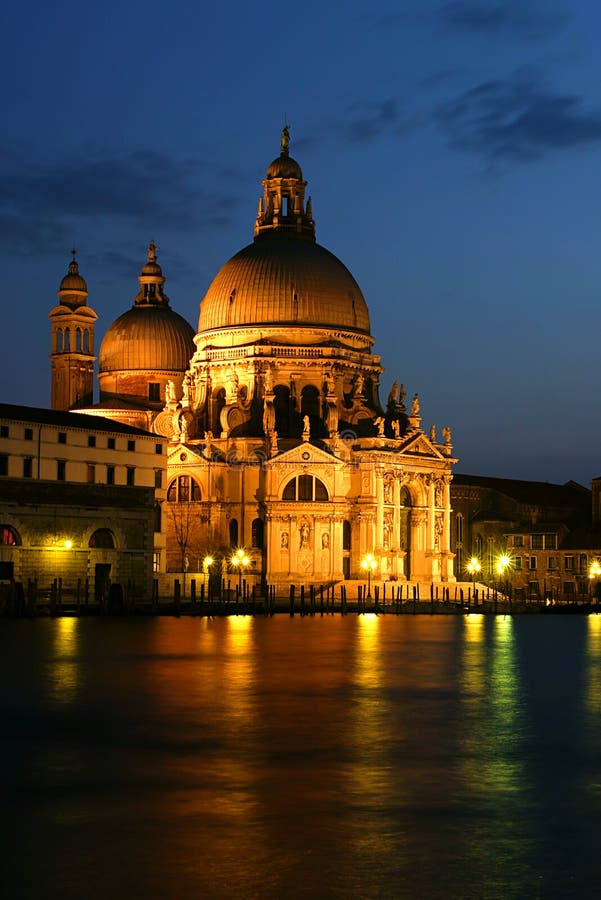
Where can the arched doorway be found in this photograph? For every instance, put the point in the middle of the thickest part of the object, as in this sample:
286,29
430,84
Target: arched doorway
405,528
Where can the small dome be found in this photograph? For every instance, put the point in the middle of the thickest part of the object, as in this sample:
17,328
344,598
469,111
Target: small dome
73,290
148,337
285,167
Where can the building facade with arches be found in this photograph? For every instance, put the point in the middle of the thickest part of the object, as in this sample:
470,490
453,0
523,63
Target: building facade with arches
80,501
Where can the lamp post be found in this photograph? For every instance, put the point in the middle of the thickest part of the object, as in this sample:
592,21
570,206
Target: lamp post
206,564
501,566
369,563
594,572
240,561
474,568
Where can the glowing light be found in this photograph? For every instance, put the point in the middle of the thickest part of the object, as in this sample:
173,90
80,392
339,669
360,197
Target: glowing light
473,566
594,569
502,564
369,562
68,544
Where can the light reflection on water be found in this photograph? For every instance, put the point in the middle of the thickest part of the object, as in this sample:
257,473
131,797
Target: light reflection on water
318,757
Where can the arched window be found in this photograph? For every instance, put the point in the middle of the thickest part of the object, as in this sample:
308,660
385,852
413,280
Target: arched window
257,534
59,340
102,539
310,401
183,489
67,340
233,532
10,538
78,339
86,341
305,488
157,516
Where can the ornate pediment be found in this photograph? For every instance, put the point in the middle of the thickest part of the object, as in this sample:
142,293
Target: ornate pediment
420,445
184,455
305,454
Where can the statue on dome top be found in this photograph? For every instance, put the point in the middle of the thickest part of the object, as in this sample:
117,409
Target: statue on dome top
152,252
285,140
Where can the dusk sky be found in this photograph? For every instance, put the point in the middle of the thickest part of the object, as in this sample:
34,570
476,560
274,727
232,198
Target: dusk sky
452,151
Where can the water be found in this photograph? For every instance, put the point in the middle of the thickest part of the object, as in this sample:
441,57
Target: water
362,757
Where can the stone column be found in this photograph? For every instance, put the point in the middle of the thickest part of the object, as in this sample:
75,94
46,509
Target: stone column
379,512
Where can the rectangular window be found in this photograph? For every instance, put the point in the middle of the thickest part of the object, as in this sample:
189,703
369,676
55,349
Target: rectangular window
532,562
111,443
517,563
3,464
110,474
130,479
62,437
91,440
131,445
537,541
459,528
61,470
28,435
550,542
568,587
91,473
568,563
158,449
551,563
154,391
533,588
156,561
3,430
518,540
28,467
158,478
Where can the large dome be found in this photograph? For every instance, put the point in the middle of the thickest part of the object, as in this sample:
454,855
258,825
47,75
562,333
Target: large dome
283,280
147,337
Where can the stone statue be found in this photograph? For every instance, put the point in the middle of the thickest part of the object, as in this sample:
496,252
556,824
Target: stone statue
183,431
325,541
433,434
284,540
186,385
285,140
359,381
446,433
268,381
329,383
303,533
415,405
379,423
392,397
306,428
208,441
396,429
169,392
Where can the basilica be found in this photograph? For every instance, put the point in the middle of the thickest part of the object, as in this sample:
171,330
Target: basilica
278,442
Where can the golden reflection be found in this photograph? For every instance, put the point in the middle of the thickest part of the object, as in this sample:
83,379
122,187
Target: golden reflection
593,664
65,672
367,668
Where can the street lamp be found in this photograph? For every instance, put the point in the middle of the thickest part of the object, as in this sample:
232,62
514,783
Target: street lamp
206,564
474,567
594,572
501,566
240,561
369,563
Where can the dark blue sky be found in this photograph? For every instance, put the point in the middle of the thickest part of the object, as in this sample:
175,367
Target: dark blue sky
452,151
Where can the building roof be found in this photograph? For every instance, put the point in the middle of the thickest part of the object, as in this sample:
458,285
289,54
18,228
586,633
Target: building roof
537,493
66,419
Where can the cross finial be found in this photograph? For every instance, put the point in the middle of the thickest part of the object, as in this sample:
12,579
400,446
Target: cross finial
73,253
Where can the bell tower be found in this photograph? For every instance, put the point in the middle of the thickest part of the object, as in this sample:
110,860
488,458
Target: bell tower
72,350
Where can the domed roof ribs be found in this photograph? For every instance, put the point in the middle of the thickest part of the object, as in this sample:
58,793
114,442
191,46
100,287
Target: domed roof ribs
152,282
282,208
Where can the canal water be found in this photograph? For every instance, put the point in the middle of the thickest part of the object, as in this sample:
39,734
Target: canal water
355,757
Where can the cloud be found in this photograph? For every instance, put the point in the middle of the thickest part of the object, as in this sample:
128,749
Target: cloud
517,120
370,119
40,199
516,18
